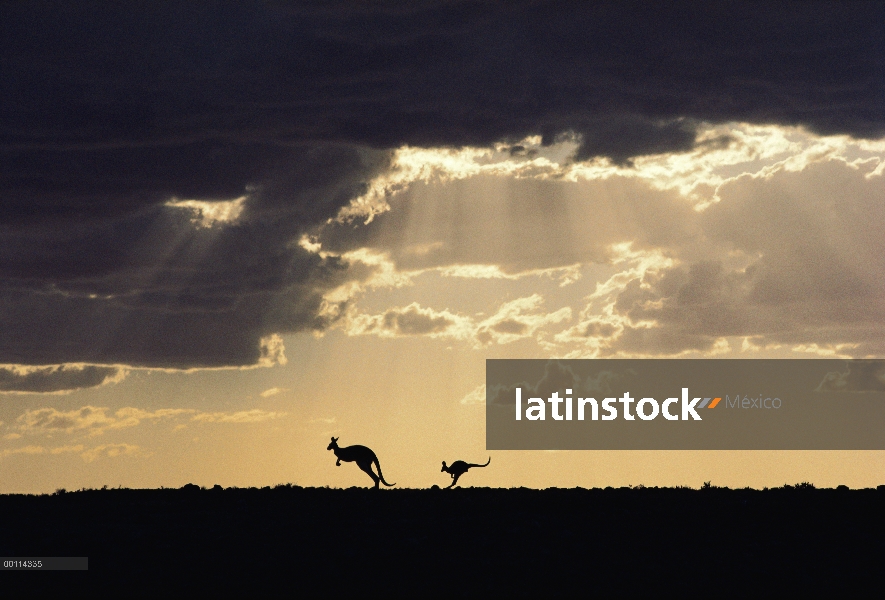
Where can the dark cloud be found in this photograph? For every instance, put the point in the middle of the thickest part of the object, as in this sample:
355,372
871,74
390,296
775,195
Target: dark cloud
413,321
55,378
152,288
701,300
511,326
813,272
158,247
134,79
109,112
661,341
597,329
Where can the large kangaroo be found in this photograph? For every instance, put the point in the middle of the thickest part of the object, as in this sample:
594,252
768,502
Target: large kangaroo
458,468
362,456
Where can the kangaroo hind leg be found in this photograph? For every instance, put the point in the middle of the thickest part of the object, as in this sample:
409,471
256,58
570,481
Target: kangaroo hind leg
455,480
367,467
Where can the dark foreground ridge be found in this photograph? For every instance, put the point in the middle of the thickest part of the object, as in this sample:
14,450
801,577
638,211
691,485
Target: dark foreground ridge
470,542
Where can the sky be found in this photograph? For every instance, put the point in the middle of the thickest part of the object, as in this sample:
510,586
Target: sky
231,231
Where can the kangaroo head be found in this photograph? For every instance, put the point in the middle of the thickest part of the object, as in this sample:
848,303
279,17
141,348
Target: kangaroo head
444,467
333,444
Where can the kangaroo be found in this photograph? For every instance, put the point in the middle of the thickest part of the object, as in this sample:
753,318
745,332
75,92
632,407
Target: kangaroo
458,468
362,456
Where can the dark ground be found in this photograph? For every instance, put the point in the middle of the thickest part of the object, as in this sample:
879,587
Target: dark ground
710,542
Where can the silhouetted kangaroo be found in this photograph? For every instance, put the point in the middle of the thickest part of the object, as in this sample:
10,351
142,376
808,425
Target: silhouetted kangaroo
459,467
362,456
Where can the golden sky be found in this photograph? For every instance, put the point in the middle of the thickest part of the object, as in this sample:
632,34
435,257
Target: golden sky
762,241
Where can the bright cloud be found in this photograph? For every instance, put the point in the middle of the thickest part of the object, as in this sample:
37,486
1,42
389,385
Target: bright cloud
514,320
57,379
272,392
92,420
110,451
410,320
210,213
244,416
87,454
518,319
760,238
722,153
475,396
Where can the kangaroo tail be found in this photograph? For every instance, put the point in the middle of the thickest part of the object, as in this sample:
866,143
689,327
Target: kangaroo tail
485,465
380,476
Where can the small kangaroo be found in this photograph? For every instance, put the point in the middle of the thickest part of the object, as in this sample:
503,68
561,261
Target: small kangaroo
362,456
458,468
